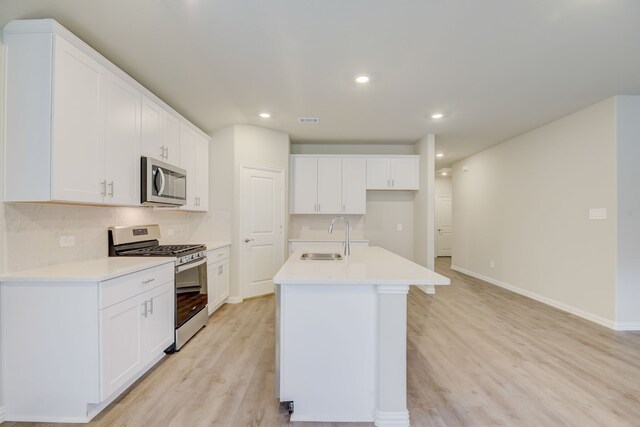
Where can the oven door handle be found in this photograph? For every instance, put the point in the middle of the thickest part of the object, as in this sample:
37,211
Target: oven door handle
184,267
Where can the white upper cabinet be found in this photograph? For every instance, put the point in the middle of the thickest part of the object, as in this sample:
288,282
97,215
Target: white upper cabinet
328,185
122,142
194,158
354,184
393,172
171,138
160,133
76,125
151,138
304,186
76,143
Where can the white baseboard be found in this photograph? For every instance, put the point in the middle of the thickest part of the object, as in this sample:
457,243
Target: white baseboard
392,419
428,289
616,326
627,326
234,300
2,414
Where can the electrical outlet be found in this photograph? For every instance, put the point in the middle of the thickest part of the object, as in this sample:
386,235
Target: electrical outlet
169,231
66,241
492,264
399,227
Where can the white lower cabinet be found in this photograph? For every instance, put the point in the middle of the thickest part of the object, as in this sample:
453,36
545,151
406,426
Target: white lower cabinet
217,277
134,332
70,347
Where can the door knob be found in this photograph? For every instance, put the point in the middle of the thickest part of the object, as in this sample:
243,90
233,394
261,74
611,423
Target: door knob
248,240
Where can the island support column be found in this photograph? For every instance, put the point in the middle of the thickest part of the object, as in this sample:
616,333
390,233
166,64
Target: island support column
391,407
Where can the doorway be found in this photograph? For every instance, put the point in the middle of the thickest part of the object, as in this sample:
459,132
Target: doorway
444,228
262,209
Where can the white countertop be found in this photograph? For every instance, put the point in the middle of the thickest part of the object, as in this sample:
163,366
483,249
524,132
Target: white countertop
370,265
88,271
217,244
328,240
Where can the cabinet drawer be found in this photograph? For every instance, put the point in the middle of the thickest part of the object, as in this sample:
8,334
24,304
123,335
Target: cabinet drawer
121,288
216,255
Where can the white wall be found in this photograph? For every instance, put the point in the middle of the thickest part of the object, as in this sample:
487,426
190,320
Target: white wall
385,209
230,148
524,204
424,206
628,268
444,186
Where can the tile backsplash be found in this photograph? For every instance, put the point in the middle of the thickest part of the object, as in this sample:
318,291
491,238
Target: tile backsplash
32,232
315,227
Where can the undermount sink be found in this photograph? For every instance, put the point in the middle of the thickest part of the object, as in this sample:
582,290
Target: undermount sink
321,257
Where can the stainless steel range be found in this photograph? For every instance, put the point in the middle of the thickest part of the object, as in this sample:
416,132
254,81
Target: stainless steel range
190,274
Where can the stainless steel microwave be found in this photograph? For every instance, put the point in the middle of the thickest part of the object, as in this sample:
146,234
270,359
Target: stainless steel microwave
162,184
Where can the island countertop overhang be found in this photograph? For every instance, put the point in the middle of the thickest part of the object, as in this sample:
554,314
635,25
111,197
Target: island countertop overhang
365,266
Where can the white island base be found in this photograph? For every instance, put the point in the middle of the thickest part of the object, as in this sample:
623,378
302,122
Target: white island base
341,337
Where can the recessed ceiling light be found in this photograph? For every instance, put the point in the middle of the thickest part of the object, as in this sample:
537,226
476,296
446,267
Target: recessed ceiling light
437,116
265,115
440,155
362,79
443,174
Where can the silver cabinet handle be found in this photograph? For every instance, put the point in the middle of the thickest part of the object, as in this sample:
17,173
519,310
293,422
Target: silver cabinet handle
166,152
319,208
144,282
388,183
315,207
145,313
247,241
343,207
219,270
151,306
162,152
104,187
111,192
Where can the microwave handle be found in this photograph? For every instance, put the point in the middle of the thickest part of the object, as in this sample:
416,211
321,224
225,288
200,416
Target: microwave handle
184,267
163,181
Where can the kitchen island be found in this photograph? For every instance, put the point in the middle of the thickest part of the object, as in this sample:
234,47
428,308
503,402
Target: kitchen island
341,332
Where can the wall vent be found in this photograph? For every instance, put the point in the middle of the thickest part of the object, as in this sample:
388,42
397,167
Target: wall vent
308,120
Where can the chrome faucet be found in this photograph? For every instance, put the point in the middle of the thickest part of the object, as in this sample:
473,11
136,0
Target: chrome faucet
347,240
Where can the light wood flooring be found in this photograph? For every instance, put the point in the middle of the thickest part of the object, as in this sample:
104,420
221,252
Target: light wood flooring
478,355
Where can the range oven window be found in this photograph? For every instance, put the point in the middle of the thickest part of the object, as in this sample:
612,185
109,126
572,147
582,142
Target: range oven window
191,290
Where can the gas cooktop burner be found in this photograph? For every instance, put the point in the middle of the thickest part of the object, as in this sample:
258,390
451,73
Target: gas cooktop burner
162,250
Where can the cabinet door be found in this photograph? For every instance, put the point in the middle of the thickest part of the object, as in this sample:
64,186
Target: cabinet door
188,162
171,138
354,185
202,174
378,173
223,281
329,185
151,130
304,185
120,344
158,328
122,142
77,166
212,279
404,173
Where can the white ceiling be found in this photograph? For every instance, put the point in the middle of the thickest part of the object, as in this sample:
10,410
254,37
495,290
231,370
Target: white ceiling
496,68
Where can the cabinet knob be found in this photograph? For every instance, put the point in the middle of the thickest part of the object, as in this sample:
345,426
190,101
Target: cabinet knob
248,240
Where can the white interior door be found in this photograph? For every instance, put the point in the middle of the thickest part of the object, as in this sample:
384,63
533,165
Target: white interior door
443,226
262,224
